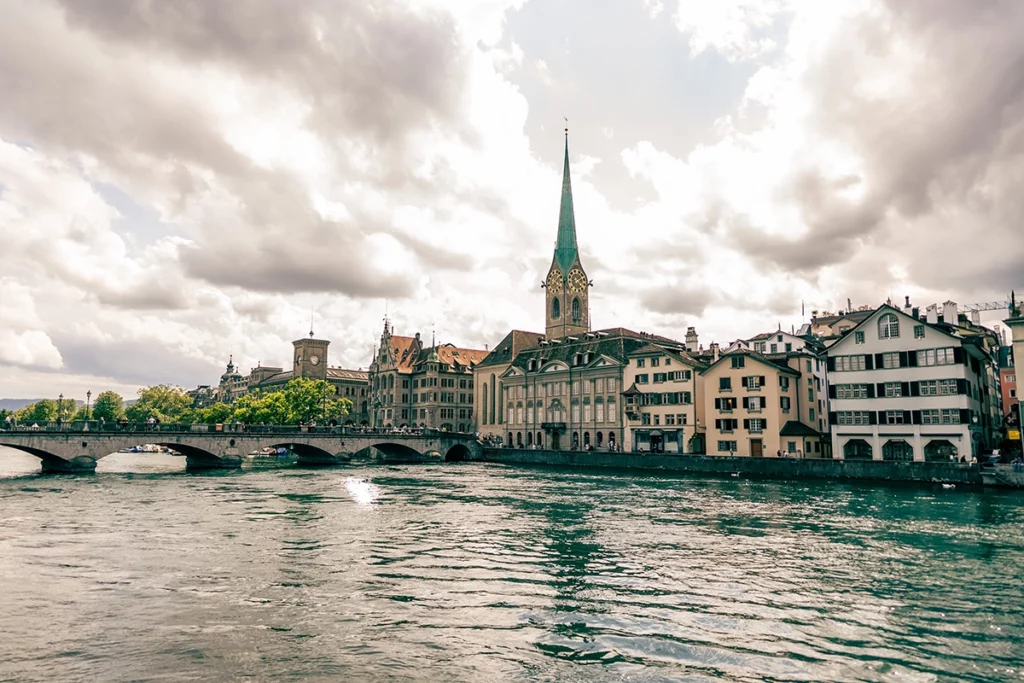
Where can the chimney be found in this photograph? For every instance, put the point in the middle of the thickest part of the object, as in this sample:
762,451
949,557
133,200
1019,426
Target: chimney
714,352
932,314
950,313
691,339
907,308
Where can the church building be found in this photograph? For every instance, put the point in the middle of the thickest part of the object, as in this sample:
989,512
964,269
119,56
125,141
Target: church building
561,389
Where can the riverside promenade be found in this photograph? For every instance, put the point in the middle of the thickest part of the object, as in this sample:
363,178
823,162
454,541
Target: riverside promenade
723,465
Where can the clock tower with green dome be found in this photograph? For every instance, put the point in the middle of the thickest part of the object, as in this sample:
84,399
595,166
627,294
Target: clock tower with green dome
567,304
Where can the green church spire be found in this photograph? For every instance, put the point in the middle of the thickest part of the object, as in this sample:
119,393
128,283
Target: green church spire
565,246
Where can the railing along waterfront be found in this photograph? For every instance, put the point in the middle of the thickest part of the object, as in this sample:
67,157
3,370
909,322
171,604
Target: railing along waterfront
121,427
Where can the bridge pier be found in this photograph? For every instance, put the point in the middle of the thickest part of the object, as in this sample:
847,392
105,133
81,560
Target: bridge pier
82,464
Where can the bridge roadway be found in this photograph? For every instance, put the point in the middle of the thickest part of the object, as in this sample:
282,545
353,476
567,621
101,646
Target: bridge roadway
75,448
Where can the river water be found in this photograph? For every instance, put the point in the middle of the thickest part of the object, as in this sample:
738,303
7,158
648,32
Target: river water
469,572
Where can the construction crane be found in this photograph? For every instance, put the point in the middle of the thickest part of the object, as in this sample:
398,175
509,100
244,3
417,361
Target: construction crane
989,306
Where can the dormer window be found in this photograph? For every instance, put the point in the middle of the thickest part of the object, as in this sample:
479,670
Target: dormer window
888,326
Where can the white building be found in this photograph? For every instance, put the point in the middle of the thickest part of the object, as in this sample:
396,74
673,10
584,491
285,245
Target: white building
905,388
663,401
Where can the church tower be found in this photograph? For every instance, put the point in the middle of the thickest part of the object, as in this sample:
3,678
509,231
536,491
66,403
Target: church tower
567,304
311,357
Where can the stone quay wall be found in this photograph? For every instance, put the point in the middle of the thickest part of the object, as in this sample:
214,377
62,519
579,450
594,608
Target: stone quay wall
724,465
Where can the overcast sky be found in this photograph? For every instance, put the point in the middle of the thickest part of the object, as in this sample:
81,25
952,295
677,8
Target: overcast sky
180,181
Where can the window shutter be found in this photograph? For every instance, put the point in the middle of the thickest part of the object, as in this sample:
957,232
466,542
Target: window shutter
869,362
915,388
830,363
958,354
965,416
871,391
878,361
872,417
881,417
912,357
832,391
904,359
915,417
718,404
746,425
718,424
907,417
764,401
905,388
832,418
961,386
880,390
762,381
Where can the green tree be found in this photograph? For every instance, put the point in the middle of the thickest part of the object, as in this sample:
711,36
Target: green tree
66,408
161,402
109,407
256,408
40,411
312,400
4,414
81,414
215,413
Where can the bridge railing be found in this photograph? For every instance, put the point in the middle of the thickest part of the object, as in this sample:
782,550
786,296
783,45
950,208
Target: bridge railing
125,426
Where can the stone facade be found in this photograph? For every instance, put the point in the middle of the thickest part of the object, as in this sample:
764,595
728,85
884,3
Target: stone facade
412,385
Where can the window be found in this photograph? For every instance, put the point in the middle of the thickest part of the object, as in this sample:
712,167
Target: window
586,412
890,360
726,424
784,404
851,391
930,417
1013,393
575,310
668,361
725,383
858,337
789,347
738,361
894,417
642,378
775,348
659,377
645,419
599,385
759,347
888,326
681,418
918,331
657,420
756,424
846,364
947,387
893,389
810,414
640,362
670,420
810,395
611,384
753,382
808,366
935,357
929,387
950,416
853,417
726,446
784,383
655,362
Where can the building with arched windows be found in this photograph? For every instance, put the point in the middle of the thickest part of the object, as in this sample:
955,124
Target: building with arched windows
905,386
562,389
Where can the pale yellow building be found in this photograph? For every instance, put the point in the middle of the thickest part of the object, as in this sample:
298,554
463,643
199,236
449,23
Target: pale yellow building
760,405
663,402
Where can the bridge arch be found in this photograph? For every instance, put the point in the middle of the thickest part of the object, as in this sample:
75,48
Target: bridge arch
397,451
457,453
51,462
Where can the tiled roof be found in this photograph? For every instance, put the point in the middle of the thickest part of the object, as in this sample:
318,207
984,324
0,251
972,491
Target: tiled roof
794,428
514,343
617,343
778,361
355,375
405,351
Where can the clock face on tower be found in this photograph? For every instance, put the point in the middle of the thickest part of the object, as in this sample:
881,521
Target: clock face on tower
314,360
555,279
577,281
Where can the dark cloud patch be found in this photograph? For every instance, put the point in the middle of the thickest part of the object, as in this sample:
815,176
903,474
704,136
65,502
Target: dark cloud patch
373,67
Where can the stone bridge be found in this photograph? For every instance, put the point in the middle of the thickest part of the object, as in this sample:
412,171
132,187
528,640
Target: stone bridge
77,449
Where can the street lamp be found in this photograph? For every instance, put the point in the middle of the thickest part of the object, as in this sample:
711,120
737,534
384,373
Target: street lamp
88,401
60,407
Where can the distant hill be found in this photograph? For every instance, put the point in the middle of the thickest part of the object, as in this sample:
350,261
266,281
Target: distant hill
18,403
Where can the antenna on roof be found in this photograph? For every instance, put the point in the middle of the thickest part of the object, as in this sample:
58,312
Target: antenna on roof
310,322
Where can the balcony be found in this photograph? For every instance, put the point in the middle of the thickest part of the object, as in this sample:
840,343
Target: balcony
724,390
752,387
754,408
725,409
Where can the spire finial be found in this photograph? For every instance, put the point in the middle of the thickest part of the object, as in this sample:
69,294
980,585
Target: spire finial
566,118
310,322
